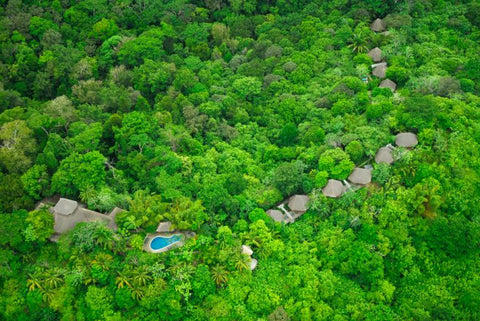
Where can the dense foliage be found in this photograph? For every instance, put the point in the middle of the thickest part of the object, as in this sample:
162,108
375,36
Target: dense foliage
207,113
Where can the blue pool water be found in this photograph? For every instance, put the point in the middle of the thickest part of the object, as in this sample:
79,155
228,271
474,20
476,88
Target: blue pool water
159,242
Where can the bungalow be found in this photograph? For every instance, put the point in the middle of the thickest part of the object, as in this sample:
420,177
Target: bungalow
360,176
407,140
68,213
384,155
333,189
375,54
387,83
378,25
380,70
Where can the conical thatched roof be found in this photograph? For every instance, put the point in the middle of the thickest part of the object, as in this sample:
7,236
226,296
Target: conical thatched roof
406,140
384,155
387,83
334,188
378,25
360,176
276,215
380,71
298,203
375,54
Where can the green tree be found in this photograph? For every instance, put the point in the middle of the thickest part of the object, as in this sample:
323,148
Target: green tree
288,177
78,172
17,145
247,87
40,226
336,163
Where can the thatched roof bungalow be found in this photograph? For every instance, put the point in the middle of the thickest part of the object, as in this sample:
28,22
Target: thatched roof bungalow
384,155
68,213
298,203
378,25
276,215
360,176
407,140
380,70
334,188
387,83
375,54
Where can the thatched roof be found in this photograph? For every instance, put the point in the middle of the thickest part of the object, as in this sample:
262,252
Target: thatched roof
406,140
164,227
115,211
65,207
334,188
360,176
92,216
276,215
375,54
387,83
68,213
247,250
378,25
384,155
380,71
298,203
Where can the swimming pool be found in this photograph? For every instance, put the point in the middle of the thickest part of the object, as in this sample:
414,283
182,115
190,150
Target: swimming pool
161,242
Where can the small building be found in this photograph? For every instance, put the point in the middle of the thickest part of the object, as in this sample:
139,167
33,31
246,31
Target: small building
387,83
407,140
253,264
68,213
276,215
380,70
360,176
378,25
334,188
298,204
164,227
375,54
384,155
247,250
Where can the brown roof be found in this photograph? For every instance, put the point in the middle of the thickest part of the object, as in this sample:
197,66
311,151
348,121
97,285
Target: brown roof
164,227
406,140
298,203
65,206
334,188
375,54
360,176
380,71
68,213
387,83
276,215
384,155
378,25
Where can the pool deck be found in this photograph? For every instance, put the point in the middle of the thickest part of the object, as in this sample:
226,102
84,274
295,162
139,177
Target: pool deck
148,239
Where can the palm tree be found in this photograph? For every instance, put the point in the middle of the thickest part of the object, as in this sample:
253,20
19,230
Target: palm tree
137,293
123,280
141,277
219,274
358,43
103,260
34,281
52,278
104,237
47,294
241,262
